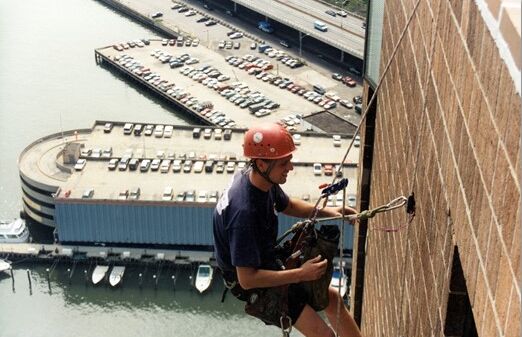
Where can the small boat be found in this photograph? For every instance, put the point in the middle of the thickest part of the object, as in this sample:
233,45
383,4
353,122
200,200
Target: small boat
338,275
13,231
99,273
204,277
116,275
5,266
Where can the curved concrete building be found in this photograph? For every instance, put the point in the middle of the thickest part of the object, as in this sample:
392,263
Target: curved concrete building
103,202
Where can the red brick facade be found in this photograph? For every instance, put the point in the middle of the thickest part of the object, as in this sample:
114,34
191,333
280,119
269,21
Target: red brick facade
448,96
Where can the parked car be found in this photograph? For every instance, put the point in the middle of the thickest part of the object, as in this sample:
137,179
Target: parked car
134,193
145,165
155,164
107,127
331,12
113,163
336,140
231,166
133,164
202,196
176,165
213,196
337,76
190,196
88,193
317,169
167,193
80,164
123,194
181,196
285,43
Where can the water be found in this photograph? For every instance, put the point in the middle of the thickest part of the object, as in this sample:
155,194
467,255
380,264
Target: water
49,81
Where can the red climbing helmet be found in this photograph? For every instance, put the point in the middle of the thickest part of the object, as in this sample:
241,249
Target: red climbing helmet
268,141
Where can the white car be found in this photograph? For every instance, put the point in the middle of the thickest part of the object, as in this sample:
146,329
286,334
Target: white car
155,164
297,139
167,194
231,166
318,170
176,165
357,141
167,132
80,164
336,140
202,196
165,166
158,131
198,166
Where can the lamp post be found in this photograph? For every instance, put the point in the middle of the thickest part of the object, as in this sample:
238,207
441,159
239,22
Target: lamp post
301,37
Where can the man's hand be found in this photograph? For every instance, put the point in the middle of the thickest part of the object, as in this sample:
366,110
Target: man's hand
313,269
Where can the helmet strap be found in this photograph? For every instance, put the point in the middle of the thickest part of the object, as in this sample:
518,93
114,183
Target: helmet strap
266,174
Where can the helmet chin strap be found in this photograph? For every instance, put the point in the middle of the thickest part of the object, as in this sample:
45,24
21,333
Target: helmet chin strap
266,174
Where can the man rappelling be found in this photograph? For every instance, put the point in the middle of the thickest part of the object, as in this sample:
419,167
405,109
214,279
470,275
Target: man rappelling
245,225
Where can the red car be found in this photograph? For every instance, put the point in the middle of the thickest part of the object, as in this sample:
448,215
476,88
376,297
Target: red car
349,81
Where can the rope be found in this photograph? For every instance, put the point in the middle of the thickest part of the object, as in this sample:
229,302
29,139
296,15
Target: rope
394,203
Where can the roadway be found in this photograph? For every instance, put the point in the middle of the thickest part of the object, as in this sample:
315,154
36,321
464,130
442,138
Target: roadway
345,33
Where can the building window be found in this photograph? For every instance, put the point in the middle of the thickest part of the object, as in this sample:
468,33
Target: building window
459,316
372,55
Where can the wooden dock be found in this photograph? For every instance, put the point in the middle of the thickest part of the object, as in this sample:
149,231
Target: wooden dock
46,252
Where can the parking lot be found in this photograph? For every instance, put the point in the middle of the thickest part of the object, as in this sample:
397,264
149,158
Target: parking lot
179,148
287,89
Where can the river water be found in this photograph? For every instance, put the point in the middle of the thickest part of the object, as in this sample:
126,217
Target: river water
49,81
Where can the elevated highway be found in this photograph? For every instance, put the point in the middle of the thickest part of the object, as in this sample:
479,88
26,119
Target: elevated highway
344,33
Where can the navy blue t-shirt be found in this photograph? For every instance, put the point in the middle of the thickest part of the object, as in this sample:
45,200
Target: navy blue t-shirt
245,224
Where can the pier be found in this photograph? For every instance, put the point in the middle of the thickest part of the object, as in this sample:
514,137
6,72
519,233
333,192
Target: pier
51,252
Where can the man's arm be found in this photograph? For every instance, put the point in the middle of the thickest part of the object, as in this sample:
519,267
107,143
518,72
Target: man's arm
302,209
262,278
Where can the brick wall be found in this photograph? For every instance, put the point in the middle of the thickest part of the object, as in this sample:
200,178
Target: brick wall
447,127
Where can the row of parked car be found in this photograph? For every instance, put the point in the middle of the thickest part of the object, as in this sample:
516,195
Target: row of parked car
140,43
187,11
227,44
178,93
281,56
174,165
190,196
174,61
211,78
347,80
134,193
180,41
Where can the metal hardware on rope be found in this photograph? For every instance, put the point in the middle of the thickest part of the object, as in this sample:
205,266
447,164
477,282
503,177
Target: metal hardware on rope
334,188
285,331
370,213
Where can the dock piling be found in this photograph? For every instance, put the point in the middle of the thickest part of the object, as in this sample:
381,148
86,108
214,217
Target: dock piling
49,280
30,283
12,280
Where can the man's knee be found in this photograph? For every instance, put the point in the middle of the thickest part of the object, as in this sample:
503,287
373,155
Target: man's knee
311,324
334,299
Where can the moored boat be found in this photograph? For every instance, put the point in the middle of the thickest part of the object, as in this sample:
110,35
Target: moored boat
116,275
204,277
99,273
5,266
14,231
